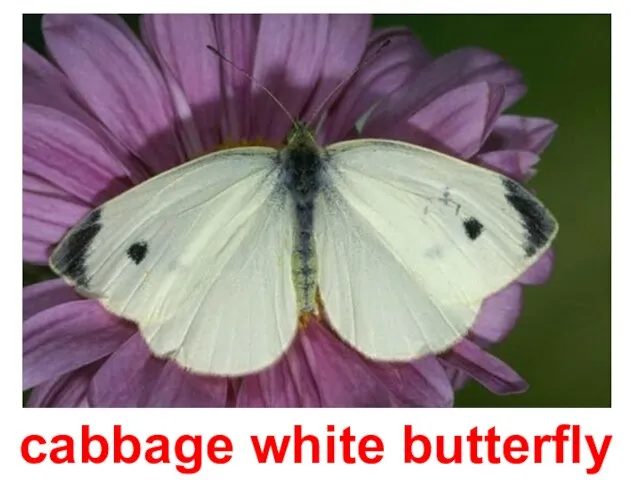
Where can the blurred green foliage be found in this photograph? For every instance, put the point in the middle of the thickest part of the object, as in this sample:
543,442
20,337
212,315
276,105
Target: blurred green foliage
562,342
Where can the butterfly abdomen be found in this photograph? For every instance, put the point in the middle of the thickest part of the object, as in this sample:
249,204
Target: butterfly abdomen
304,259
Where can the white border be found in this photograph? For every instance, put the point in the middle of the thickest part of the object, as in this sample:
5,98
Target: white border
621,420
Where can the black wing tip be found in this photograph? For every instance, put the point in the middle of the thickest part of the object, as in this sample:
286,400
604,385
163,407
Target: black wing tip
540,226
69,257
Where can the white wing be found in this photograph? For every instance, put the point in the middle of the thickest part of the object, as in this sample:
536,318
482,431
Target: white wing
410,242
200,258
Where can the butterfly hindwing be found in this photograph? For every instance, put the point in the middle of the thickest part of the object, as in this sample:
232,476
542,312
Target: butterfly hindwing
370,298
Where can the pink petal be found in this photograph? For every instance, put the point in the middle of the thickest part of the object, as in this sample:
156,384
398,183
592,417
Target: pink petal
66,153
320,370
289,383
385,73
117,78
66,337
45,219
36,251
236,37
492,373
456,123
448,72
132,377
348,35
40,234
69,390
457,377
517,164
498,314
43,84
178,388
512,132
422,383
343,378
289,58
44,295
180,44
540,271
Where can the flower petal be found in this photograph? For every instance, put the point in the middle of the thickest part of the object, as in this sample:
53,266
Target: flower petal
422,383
43,84
40,234
69,390
457,377
66,337
180,44
512,132
498,314
384,73
517,164
321,371
60,149
451,71
342,376
346,379
348,36
492,373
289,383
457,123
236,37
45,219
178,388
122,84
133,377
289,57
36,250
540,271
44,295
127,377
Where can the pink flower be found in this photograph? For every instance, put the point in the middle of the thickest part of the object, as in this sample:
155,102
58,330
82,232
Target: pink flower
115,111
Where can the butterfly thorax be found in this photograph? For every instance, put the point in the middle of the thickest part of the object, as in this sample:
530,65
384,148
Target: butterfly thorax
302,170
302,165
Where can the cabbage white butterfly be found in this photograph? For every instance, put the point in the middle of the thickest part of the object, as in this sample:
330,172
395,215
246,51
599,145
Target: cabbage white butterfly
219,259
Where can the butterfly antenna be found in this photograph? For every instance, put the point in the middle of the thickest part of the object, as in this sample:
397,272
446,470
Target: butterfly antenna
347,79
250,77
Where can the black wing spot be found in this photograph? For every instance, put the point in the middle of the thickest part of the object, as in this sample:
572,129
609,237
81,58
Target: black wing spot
473,228
70,257
538,225
137,252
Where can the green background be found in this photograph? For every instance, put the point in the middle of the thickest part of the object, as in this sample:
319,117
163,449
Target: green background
562,342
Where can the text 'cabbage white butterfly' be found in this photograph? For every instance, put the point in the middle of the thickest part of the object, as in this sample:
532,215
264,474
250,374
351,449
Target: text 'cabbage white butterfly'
217,260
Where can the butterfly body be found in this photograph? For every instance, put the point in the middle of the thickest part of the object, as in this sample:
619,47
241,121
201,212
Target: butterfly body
302,163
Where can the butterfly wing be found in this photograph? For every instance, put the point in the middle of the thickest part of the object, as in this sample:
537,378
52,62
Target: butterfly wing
410,242
199,258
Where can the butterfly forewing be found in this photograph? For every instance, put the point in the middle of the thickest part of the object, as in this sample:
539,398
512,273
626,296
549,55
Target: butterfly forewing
410,243
199,258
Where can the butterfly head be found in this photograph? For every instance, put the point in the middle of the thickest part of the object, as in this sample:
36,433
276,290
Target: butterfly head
301,137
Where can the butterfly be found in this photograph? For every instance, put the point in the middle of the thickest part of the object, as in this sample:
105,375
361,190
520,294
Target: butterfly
220,260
